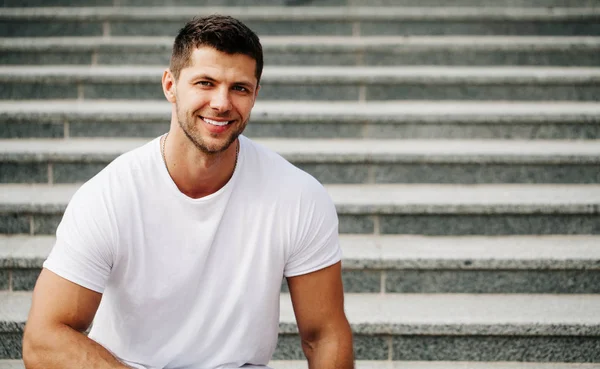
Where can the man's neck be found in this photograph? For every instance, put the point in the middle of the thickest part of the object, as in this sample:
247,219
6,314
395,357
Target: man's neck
195,173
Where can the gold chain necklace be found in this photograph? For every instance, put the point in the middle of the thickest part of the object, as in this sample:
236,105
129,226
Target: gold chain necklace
164,143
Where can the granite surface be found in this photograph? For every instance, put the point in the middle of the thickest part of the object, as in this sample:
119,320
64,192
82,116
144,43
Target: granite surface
23,173
516,130
49,58
75,172
46,224
114,91
426,314
32,91
247,14
496,3
501,3
365,348
33,129
306,130
24,279
346,51
356,224
484,57
133,58
313,91
427,209
289,347
491,348
371,347
42,28
463,199
334,173
24,251
467,314
364,281
306,27
485,173
490,224
413,112
514,253
483,27
14,223
495,327
10,346
13,311
384,364
122,129
12,364
500,281
132,126
400,80
4,279
310,57
479,92
271,27
404,364
370,253
418,155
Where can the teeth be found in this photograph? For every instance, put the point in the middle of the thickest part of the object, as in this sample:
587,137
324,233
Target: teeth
215,123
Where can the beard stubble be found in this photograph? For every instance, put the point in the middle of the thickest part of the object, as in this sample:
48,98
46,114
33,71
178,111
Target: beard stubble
190,129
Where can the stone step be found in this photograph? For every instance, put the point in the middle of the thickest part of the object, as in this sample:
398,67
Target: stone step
381,364
317,83
335,119
506,209
316,3
407,264
337,161
319,50
453,327
308,20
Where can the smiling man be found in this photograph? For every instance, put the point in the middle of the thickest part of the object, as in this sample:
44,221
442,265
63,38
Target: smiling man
176,250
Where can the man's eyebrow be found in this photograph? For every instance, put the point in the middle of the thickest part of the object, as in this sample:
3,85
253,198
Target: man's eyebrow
205,77
248,85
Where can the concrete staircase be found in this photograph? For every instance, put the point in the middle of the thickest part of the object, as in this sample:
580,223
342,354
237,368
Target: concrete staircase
460,141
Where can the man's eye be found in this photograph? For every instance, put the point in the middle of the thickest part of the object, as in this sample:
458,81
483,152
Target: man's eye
203,83
240,88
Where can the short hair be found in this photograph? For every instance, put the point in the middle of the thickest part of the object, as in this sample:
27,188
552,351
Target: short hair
224,33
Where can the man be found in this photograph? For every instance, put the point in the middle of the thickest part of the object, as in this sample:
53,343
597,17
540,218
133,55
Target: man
177,249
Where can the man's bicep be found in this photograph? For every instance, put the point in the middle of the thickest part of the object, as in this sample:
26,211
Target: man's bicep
318,300
57,300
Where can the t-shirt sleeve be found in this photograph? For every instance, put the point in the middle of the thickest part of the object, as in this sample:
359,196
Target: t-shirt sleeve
85,239
316,243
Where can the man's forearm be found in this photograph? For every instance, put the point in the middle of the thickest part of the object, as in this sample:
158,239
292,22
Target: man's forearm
333,351
62,347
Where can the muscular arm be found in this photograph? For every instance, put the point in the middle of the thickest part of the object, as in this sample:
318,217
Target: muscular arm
318,301
60,312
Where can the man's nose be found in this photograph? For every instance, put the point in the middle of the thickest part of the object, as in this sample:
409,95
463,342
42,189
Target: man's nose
220,100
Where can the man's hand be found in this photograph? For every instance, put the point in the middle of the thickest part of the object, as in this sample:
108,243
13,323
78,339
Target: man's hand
60,312
318,300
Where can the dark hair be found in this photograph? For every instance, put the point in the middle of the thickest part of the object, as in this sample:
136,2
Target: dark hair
223,33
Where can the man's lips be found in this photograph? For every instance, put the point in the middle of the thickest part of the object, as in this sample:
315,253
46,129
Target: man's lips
216,122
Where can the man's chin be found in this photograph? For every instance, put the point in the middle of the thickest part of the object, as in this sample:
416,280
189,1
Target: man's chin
216,145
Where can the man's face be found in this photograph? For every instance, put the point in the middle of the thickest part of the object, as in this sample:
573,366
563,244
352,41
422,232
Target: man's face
214,98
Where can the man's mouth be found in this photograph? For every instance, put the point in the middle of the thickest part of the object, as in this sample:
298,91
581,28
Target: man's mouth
219,123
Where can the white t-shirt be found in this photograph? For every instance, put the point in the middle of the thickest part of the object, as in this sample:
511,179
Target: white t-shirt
193,283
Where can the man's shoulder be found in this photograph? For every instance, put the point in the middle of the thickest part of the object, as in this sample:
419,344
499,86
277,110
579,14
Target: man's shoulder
118,173
272,167
277,176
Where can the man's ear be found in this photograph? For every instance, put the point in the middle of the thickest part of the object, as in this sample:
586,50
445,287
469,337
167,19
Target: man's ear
168,85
